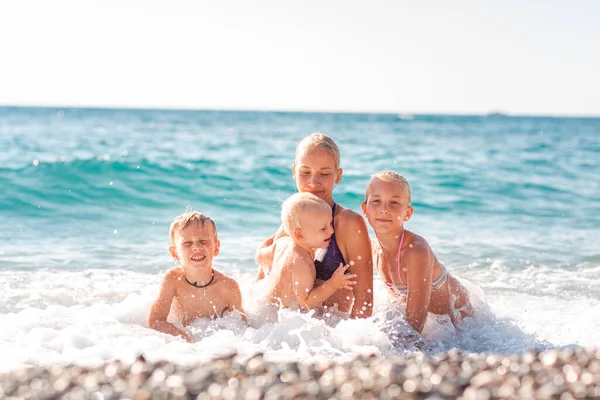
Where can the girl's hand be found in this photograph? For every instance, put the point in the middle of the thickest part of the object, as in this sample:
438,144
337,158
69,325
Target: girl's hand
340,280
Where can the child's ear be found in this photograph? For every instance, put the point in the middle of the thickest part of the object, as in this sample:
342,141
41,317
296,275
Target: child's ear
294,171
298,234
339,175
173,252
217,247
363,206
409,213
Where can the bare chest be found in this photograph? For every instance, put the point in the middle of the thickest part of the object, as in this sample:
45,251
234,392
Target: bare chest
390,269
191,303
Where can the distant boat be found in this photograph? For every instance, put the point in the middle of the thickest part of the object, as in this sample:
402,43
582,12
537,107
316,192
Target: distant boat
496,113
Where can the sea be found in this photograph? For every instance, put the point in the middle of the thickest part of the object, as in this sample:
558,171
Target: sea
510,204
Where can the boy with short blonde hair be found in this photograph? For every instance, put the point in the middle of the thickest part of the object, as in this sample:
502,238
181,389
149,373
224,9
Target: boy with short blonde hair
291,278
194,289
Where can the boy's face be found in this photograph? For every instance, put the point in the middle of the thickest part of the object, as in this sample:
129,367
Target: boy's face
387,206
196,245
316,228
315,172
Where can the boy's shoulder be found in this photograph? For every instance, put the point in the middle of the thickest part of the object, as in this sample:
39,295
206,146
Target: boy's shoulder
283,241
174,273
224,280
299,258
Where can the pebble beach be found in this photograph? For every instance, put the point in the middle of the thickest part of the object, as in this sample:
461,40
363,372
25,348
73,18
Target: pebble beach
551,374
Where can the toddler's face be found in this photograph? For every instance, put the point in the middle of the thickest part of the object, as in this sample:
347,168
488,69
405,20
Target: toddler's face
387,206
317,228
196,245
315,172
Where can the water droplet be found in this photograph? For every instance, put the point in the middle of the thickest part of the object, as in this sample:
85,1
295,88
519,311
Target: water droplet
36,163
410,245
369,290
110,183
115,231
359,258
351,262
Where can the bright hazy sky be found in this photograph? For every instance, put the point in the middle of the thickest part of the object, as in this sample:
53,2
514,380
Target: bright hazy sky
519,57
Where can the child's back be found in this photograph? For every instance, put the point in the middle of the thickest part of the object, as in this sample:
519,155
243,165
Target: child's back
291,279
292,265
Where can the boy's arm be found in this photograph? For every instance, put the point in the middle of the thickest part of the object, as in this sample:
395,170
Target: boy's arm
159,312
309,297
235,301
419,278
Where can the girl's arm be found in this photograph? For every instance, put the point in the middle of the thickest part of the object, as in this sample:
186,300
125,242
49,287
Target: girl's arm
419,262
264,253
235,298
355,244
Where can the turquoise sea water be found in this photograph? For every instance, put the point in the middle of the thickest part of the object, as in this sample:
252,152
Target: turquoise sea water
511,204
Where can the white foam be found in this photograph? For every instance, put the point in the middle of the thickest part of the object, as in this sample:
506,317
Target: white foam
86,317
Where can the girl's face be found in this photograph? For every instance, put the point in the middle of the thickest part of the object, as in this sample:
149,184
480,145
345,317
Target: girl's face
387,207
315,172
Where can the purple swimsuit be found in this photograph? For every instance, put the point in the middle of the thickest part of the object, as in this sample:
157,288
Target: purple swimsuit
333,257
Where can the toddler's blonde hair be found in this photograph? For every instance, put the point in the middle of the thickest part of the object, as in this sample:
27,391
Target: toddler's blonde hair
185,219
297,206
389,176
321,141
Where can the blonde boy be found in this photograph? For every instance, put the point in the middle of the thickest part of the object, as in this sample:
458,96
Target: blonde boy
291,278
194,289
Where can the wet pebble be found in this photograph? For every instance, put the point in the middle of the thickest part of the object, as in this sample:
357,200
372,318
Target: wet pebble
553,374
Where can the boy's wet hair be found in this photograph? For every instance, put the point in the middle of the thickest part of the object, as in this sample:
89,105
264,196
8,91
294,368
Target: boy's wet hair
321,141
389,176
297,206
185,219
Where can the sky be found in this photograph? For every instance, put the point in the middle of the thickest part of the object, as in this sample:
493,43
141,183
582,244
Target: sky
431,56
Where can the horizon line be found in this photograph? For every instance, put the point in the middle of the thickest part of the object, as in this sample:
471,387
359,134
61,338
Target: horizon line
495,112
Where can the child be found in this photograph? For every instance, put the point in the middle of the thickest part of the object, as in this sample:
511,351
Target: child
404,259
307,223
317,170
194,289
